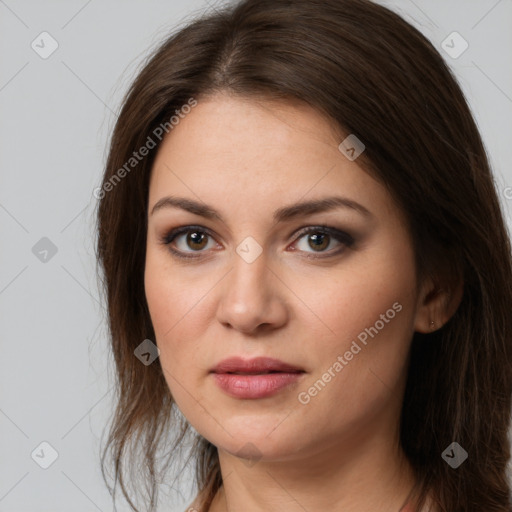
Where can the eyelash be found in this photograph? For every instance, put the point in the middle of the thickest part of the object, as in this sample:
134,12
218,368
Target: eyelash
341,236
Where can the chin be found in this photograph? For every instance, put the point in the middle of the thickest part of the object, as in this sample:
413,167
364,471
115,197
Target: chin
257,437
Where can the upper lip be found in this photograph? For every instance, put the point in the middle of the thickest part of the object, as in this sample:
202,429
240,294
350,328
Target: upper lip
255,365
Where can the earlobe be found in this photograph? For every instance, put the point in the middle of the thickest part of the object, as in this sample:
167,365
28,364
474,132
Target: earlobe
436,306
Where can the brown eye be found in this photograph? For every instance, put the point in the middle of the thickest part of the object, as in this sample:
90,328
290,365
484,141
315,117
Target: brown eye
319,238
196,240
318,241
185,241
192,241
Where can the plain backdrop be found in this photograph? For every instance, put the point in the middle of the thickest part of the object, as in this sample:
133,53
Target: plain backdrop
57,112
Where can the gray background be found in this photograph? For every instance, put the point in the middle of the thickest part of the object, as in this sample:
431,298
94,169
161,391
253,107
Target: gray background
56,116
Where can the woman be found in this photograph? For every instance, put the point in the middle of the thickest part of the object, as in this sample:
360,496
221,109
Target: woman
304,255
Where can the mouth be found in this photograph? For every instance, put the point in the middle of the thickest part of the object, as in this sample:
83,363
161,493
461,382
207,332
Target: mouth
260,373
255,378
255,366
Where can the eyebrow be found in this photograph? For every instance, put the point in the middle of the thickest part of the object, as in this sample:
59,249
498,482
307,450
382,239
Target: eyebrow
286,213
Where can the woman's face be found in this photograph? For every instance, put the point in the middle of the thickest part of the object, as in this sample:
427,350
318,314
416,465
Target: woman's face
336,306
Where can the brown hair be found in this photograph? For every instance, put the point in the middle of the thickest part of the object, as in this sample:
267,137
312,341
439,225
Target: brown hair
375,76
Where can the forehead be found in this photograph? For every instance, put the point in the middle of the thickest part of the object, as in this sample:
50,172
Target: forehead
256,153
288,118
239,131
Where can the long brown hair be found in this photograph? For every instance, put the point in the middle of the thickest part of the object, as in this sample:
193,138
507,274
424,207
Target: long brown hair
375,76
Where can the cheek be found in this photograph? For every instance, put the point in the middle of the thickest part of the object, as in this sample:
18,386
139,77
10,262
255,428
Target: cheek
358,371
172,298
168,301
360,292
372,316
177,310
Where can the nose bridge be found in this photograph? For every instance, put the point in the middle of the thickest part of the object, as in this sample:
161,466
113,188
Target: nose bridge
249,278
250,295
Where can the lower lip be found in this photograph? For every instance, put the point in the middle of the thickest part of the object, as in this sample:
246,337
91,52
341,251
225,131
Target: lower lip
255,386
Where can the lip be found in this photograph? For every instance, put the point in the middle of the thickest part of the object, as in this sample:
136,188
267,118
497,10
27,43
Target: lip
255,378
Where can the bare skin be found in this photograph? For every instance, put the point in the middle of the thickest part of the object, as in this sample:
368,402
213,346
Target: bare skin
301,302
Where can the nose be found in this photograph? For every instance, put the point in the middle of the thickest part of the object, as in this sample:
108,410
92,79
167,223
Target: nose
252,297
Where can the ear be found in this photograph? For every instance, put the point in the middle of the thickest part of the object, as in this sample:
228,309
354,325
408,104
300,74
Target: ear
436,304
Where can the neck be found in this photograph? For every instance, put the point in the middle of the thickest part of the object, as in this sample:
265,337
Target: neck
365,474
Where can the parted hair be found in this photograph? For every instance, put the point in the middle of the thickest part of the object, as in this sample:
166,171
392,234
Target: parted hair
376,76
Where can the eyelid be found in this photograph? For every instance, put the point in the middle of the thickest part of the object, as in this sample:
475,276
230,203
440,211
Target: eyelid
171,235
336,233
343,237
